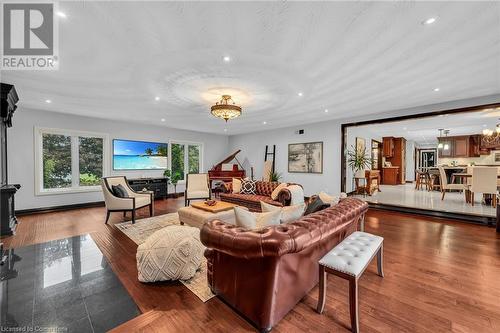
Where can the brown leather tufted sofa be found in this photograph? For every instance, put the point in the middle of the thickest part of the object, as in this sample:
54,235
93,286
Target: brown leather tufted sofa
263,192
263,274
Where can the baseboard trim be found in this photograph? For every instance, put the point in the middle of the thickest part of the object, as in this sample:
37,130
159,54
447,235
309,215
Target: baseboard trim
476,219
29,211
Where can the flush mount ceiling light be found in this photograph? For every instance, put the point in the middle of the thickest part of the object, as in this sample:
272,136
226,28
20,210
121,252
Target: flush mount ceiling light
48,101
300,94
226,108
429,21
326,110
436,89
226,58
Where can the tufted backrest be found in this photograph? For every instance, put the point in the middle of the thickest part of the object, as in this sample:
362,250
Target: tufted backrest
265,188
285,238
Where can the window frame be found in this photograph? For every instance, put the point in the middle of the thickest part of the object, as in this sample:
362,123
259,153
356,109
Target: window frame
75,165
186,155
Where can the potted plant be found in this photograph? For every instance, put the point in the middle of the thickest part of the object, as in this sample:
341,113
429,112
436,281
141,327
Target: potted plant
274,176
358,161
174,180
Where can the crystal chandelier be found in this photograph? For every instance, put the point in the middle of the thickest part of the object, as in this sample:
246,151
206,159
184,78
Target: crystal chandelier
226,108
490,135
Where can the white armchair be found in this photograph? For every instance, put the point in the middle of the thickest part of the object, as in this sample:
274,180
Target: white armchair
484,180
197,187
445,186
134,201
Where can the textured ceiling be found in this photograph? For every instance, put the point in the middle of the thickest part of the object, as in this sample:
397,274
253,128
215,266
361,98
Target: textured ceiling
352,58
424,131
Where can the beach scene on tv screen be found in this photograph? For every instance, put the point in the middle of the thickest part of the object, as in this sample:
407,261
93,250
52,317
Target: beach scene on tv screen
139,155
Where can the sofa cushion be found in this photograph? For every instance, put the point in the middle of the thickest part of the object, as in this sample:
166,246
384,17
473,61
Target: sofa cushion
236,185
250,220
248,187
288,213
315,206
328,199
171,253
119,191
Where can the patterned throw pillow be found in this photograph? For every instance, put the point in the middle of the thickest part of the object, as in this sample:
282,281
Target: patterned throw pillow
247,186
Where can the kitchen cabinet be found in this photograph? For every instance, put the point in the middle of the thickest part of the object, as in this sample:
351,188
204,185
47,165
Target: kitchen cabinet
460,146
388,146
398,157
390,175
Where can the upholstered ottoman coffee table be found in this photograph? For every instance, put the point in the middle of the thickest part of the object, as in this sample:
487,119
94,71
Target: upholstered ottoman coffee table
199,213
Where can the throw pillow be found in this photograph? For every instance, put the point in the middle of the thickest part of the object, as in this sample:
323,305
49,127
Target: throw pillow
315,206
247,186
119,191
288,213
236,185
328,199
250,220
277,190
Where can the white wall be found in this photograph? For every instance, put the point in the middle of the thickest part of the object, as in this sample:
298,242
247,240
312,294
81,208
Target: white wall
21,151
253,144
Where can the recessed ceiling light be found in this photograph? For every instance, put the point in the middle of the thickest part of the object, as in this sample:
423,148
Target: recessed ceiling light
225,129
436,89
226,58
405,128
264,122
430,20
326,110
157,98
300,94
163,119
48,101
484,125
61,14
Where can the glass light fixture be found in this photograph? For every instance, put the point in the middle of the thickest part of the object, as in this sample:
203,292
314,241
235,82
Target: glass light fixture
440,144
226,108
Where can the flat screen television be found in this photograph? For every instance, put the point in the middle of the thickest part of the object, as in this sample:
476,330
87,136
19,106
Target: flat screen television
139,155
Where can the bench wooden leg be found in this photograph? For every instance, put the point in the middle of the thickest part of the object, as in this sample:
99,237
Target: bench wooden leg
380,260
353,304
322,289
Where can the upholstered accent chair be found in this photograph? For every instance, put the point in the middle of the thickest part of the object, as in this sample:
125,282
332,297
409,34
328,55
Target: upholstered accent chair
445,186
134,201
484,180
197,187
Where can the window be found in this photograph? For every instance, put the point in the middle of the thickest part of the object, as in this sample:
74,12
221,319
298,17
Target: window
185,158
69,161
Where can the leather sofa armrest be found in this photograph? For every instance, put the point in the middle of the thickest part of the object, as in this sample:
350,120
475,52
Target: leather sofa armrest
285,197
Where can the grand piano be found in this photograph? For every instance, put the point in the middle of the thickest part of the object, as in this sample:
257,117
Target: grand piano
223,171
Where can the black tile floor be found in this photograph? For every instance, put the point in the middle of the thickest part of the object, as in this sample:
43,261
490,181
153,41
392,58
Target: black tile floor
64,285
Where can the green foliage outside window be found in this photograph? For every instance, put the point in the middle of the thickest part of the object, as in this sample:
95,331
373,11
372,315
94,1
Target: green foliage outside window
90,160
56,161
194,159
178,161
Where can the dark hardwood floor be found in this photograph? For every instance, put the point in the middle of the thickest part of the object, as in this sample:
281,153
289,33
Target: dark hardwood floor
440,276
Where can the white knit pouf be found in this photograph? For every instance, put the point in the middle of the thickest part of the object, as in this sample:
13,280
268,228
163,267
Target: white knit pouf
172,253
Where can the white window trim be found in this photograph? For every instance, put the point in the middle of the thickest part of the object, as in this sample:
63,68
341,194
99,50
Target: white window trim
38,144
186,155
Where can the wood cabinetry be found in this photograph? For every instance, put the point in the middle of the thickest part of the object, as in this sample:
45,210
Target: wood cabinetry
388,146
390,176
397,147
460,146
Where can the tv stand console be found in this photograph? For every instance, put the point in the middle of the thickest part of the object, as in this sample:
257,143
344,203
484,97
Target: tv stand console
159,186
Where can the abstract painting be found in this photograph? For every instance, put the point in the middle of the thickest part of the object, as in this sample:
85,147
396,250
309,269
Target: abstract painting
305,157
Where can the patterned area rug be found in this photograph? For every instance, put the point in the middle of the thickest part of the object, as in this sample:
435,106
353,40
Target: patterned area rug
144,228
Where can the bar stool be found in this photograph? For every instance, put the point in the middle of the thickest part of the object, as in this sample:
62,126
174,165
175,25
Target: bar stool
422,179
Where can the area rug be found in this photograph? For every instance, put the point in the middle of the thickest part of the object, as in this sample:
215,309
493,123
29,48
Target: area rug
144,228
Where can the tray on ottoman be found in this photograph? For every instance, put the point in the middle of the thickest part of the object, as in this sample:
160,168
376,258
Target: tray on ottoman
197,217
220,206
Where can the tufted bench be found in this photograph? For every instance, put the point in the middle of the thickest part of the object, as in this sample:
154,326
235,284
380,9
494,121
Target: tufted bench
348,260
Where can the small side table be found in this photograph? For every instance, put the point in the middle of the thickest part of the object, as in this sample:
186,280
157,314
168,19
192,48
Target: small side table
360,189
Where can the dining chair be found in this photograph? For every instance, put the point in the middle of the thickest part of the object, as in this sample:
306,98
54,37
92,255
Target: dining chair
446,186
484,180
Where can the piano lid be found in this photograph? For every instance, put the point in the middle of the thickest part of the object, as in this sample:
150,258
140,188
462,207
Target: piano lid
227,160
